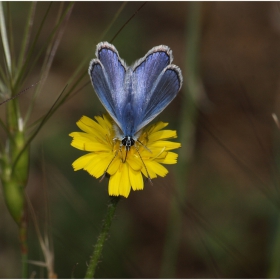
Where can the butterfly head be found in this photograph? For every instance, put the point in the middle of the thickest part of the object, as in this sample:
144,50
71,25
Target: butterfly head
128,142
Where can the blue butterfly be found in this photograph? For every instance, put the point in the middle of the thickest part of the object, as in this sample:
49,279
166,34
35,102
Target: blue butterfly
134,95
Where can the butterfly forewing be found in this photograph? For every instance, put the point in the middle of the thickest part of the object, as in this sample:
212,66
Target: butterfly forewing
101,86
107,75
115,69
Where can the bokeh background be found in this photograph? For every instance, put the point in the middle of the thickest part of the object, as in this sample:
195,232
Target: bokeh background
216,214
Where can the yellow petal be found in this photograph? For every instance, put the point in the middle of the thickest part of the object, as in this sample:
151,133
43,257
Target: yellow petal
98,165
119,183
104,121
136,179
125,185
135,163
170,158
85,142
168,145
90,126
156,127
82,161
151,174
114,166
114,183
75,135
161,135
94,164
156,168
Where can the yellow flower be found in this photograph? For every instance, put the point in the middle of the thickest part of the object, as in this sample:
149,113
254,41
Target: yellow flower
107,155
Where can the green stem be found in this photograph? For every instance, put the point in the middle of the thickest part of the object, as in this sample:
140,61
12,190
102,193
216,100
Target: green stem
102,237
117,14
23,247
5,40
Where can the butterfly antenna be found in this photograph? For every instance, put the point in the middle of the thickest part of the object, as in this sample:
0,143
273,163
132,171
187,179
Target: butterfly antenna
23,91
149,178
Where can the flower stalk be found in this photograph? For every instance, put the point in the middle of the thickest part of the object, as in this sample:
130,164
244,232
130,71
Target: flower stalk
102,237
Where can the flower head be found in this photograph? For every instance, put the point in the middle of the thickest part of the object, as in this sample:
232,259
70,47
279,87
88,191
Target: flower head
125,167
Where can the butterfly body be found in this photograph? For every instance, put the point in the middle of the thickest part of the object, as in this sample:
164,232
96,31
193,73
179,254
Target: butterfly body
134,95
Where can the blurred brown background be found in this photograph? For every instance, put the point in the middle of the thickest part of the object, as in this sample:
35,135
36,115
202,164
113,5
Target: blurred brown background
230,214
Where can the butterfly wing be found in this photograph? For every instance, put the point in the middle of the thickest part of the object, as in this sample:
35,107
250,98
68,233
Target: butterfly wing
164,91
156,83
134,96
107,74
147,69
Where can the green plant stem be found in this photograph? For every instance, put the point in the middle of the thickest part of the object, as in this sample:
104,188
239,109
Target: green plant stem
102,237
191,88
23,247
5,39
116,16
27,34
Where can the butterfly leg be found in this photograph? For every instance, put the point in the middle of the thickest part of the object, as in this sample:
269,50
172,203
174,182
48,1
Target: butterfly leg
149,178
105,172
